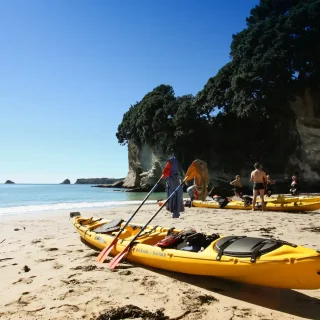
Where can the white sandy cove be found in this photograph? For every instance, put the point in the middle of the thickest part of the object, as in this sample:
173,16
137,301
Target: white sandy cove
66,282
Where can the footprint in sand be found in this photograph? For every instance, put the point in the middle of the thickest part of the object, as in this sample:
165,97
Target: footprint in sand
45,260
51,249
25,280
70,282
86,268
24,300
241,312
67,307
57,265
4,259
89,255
63,296
73,275
193,298
35,241
125,272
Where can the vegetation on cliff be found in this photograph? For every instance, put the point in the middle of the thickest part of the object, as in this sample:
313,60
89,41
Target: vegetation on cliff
243,113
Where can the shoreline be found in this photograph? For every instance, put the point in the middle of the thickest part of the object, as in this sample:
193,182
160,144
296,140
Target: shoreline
114,204
66,282
101,205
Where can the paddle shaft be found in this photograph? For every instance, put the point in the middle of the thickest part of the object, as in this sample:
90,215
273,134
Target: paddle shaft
104,253
144,200
114,262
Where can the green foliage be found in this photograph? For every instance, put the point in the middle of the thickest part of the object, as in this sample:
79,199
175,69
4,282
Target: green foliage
243,113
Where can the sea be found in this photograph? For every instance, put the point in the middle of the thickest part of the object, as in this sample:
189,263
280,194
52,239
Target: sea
29,198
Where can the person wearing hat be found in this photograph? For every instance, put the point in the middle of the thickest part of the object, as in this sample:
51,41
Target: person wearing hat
259,178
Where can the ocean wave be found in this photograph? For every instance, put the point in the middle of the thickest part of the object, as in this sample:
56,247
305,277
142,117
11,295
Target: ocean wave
67,206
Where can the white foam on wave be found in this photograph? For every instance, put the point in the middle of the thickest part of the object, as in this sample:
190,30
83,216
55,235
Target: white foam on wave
67,206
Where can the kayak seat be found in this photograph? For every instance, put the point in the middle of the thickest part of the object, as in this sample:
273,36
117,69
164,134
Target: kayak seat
242,246
113,225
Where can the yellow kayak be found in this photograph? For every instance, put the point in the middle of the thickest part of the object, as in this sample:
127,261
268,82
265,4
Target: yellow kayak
260,261
283,199
299,206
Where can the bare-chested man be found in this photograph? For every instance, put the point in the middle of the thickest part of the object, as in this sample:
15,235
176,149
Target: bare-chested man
258,177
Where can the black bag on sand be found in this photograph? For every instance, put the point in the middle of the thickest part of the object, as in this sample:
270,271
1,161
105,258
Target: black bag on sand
223,202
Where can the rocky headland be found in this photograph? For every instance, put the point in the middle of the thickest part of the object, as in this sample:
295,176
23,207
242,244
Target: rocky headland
66,181
101,181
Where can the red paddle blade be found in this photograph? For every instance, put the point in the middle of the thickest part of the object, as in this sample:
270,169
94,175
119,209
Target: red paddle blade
167,170
114,242
115,261
105,252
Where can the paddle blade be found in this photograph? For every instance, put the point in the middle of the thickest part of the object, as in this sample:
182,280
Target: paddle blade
105,252
115,261
167,170
192,172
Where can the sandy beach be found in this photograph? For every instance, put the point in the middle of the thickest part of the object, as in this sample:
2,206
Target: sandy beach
48,273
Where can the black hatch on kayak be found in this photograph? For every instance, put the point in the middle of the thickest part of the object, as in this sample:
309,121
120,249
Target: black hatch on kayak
242,246
113,225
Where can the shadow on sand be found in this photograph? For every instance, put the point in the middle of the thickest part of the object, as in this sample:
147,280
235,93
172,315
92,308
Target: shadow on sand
284,300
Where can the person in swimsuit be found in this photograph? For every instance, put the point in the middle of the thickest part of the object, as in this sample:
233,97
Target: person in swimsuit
270,185
237,186
258,177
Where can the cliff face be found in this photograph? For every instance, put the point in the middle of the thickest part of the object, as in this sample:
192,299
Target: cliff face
307,110
146,162
145,167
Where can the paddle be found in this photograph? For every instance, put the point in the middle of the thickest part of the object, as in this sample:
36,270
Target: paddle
115,261
105,252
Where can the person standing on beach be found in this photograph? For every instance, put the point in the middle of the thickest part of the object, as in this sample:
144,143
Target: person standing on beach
270,184
175,204
259,178
237,186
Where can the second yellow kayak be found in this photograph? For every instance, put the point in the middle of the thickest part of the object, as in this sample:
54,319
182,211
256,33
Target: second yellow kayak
270,206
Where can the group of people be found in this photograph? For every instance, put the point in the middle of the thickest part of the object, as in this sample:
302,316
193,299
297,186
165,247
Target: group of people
262,185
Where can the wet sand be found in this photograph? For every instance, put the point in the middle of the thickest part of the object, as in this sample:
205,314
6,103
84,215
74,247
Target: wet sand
48,273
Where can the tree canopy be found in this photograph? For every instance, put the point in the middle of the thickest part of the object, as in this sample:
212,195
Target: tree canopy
243,113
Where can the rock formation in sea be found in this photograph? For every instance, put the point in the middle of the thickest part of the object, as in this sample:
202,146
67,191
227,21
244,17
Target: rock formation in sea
9,182
117,184
66,181
98,180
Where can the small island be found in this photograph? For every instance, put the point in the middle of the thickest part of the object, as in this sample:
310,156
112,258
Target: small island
9,182
67,181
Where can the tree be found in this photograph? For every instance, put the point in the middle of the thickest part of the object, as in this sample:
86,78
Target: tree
243,113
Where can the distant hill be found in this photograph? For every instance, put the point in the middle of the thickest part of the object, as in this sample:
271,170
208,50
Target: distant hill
97,180
9,182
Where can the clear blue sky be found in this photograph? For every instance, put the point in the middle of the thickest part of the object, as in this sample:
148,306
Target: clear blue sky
69,70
